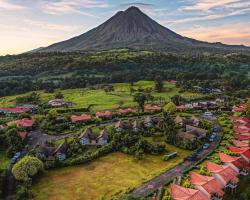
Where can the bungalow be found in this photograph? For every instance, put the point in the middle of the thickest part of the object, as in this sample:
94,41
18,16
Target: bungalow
223,174
136,126
243,137
120,126
124,111
80,118
240,108
59,103
242,130
208,185
238,164
25,122
238,150
181,107
104,115
103,137
240,143
152,108
148,122
87,137
8,111
61,151
182,193
241,120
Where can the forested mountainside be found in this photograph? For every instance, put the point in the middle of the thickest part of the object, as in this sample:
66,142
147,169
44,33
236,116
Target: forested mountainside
28,72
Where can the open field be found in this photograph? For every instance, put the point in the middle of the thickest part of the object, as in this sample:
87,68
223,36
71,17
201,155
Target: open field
110,175
100,100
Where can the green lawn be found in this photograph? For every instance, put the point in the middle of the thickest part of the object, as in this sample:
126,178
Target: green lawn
100,100
108,176
4,160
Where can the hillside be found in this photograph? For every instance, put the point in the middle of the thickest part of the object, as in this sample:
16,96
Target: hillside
134,30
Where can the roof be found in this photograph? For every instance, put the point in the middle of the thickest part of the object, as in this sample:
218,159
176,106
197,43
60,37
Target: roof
210,184
103,134
47,150
237,150
136,124
15,110
182,193
23,134
87,134
243,136
178,119
104,114
25,122
240,119
246,154
62,148
195,130
226,172
186,135
180,107
148,119
242,130
226,158
238,162
152,107
240,143
119,124
195,119
126,110
83,117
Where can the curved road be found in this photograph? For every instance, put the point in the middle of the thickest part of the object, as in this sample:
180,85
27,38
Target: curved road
168,176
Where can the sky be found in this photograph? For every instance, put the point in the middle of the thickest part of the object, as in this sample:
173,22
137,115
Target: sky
29,24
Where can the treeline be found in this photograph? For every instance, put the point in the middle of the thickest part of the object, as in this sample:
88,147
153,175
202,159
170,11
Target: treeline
38,71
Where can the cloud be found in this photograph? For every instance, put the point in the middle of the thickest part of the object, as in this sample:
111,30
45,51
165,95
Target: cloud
228,34
9,6
137,4
68,6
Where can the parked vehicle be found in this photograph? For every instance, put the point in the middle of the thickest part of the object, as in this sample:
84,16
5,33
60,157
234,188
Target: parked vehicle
205,146
169,156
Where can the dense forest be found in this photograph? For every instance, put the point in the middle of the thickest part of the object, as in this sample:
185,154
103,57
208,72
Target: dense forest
27,72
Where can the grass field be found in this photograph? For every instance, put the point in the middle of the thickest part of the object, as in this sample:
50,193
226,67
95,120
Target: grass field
111,175
4,160
100,100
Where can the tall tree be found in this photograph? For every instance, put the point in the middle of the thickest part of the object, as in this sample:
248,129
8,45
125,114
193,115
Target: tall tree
158,84
140,98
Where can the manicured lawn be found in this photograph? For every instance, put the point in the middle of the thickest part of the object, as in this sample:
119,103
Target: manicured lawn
100,100
4,160
108,176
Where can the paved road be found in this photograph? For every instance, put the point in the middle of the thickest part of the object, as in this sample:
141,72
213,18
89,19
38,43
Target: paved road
169,175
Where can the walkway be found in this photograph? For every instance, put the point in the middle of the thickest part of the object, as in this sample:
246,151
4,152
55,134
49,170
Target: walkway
168,176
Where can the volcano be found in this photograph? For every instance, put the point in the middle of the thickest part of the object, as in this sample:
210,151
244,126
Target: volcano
133,29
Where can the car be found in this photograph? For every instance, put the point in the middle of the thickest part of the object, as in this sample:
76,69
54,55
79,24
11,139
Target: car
192,157
205,146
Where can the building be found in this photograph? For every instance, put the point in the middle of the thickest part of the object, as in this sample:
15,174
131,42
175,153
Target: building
241,120
80,118
25,122
152,108
23,134
120,126
181,107
148,122
9,111
238,164
243,137
104,115
103,137
57,103
182,193
198,132
124,111
49,153
61,151
87,137
223,174
136,126
208,185
179,120
238,150
240,144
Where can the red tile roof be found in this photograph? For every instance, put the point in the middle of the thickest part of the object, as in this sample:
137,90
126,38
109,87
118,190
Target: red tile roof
180,107
240,119
242,130
152,108
238,162
240,108
25,122
246,154
226,172
243,136
81,118
182,193
104,114
15,110
23,134
237,150
240,144
210,184
126,110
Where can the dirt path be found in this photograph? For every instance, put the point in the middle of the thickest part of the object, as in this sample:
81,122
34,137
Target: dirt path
168,176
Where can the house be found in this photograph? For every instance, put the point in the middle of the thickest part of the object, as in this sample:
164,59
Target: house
124,111
238,164
182,193
238,150
181,107
136,126
243,137
246,155
148,122
61,151
195,120
120,126
241,120
25,122
56,103
223,174
104,115
32,107
179,120
23,134
152,108
208,185
186,136
87,137
8,111
173,82
239,144
242,130
198,132
80,118
240,108
103,137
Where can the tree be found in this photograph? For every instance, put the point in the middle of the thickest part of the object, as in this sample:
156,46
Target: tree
26,168
169,108
158,84
140,98
14,142
248,108
169,129
59,95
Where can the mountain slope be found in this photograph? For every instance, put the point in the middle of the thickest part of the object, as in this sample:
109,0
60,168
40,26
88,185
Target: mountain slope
133,29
